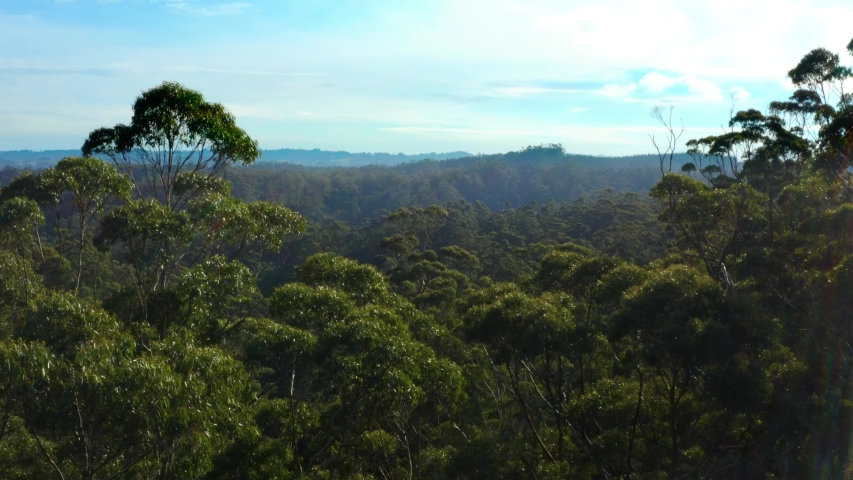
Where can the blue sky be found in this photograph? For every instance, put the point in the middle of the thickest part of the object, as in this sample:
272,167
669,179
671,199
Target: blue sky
408,76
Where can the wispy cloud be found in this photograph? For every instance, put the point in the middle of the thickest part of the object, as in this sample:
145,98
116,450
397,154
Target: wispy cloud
739,93
422,68
574,133
55,70
446,130
462,98
11,66
616,91
525,91
655,82
232,71
194,8
701,89
656,87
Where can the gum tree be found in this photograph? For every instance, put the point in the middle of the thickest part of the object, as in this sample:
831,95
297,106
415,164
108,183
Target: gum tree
173,131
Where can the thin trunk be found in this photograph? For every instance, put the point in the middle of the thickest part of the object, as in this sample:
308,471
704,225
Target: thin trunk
38,238
49,458
770,205
630,460
164,467
5,425
516,388
80,257
673,428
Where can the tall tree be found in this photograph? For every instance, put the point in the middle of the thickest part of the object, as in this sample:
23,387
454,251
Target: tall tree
173,130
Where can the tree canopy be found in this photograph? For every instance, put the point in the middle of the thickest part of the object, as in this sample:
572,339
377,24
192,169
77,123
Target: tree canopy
174,131
164,314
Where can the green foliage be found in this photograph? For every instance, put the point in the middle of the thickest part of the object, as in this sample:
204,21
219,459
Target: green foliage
174,132
361,282
152,325
356,195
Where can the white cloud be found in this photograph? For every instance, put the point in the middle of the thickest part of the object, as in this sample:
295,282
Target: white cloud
699,38
702,89
739,93
578,109
699,90
616,91
656,82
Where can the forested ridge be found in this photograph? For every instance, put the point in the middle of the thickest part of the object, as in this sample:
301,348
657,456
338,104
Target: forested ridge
315,157
289,158
535,174
169,311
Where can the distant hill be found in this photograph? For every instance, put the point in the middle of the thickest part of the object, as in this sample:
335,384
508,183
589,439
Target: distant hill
312,158
325,158
357,194
33,158
289,158
300,160
325,191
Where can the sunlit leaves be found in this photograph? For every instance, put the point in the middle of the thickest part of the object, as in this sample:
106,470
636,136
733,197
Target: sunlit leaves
173,131
215,297
362,282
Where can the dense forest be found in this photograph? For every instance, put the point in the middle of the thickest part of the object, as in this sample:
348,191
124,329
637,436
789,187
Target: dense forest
535,174
169,311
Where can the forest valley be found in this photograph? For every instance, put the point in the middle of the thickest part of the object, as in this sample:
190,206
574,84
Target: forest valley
166,313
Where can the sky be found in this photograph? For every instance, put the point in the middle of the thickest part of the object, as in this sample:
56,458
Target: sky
411,76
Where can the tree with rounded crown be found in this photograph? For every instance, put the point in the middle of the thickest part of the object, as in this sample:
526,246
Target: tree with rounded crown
173,131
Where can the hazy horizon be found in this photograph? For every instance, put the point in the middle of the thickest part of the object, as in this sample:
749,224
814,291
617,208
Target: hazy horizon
389,153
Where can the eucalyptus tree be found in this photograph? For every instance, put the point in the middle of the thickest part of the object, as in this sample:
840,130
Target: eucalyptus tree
38,188
821,73
173,131
19,220
775,233
713,225
529,339
419,224
93,185
347,388
173,156
91,404
709,366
